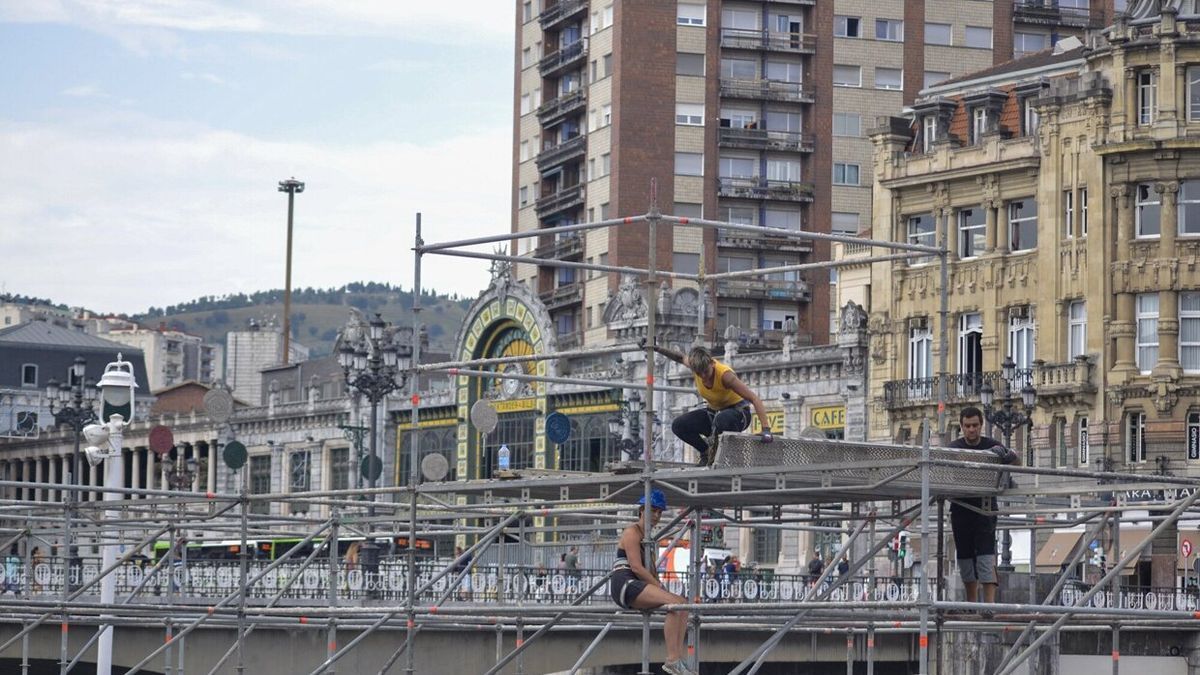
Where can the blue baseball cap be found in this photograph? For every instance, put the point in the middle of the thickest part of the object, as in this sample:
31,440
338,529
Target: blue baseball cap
657,500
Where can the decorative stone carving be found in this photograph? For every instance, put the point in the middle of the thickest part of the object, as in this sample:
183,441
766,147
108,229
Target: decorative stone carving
628,303
854,318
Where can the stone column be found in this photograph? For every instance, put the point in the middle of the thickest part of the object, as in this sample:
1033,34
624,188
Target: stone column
1002,235
29,478
213,458
1122,329
948,221
39,475
93,480
1168,336
65,466
989,230
151,470
1168,193
135,470
52,495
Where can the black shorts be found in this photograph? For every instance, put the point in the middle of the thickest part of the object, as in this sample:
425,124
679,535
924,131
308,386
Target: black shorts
974,533
625,587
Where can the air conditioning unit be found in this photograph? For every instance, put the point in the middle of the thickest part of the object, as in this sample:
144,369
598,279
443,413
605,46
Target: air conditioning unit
919,323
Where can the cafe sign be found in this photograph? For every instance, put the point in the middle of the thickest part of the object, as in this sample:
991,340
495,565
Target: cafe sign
828,417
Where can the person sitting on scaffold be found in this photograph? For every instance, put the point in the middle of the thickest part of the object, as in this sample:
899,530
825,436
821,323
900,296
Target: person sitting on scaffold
728,401
634,585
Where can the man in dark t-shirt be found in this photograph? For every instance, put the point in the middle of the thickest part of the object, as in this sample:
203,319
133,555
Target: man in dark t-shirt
975,532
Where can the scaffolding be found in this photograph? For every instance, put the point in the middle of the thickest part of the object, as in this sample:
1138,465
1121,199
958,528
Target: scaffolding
308,587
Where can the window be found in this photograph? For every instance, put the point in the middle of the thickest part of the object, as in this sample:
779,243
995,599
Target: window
1147,331
1135,437
845,174
889,29
1076,329
1148,211
739,215
1189,331
605,164
972,232
742,69
690,15
526,104
527,11
1189,207
784,71
606,63
689,64
739,119
1022,224
604,216
606,16
523,195
1083,212
741,317
734,264
29,375
774,319
783,170
979,124
784,121
766,545
1193,93
1021,334
847,76
524,151
1029,120
737,167
929,132
937,34
920,353
605,114
784,219
845,26
933,77
688,210
1147,96
1081,440
299,472
889,78
689,114
922,231
260,482
526,57
689,164
979,37
847,124
970,351
739,19
687,263
1069,213
844,223
339,469
1027,43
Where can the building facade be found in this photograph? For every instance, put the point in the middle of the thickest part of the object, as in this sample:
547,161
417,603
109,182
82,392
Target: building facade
172,356
251,351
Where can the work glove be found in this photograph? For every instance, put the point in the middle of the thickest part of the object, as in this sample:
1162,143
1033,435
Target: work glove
1006,456
766,437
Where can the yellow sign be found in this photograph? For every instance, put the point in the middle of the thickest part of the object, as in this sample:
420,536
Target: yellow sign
829,417
515,405
775,417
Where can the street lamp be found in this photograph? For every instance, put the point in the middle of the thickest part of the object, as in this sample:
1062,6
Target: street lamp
292,187
628,426
371,363
181,473
1008,420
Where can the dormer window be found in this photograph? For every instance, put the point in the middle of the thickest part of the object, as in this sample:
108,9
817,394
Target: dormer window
1029,117
979,124
929,126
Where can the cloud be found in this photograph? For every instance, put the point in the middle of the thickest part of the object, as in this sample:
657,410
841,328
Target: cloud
159,212
84,91
203,77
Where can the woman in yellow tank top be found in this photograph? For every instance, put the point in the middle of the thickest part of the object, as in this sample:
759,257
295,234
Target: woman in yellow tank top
728,401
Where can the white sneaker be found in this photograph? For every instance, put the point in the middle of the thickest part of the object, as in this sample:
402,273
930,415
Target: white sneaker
677,668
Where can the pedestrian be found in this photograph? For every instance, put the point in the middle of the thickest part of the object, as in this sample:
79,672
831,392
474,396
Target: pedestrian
815,567
635,585
843,567
12,571
352,553
461,564
974,530
540,580
36,560
571,562
728,402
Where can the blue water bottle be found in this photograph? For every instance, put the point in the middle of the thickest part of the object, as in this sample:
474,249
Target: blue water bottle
504,457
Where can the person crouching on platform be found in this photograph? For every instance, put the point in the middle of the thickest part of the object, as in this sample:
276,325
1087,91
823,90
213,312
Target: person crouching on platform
636,586
728,401
975,532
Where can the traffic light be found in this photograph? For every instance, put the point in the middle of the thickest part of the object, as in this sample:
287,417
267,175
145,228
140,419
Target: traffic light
902,548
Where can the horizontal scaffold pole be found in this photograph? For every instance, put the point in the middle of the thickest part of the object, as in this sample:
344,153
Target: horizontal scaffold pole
562,380
511,236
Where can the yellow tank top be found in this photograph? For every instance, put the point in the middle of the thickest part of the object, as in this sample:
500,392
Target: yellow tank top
719,396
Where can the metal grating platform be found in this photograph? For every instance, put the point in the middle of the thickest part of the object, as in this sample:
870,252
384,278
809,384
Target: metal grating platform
750,473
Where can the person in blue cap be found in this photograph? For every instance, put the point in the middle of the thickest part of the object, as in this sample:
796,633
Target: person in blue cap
635,585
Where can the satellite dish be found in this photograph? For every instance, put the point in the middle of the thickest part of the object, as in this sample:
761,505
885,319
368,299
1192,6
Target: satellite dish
558,427
434,466
484,417
218,403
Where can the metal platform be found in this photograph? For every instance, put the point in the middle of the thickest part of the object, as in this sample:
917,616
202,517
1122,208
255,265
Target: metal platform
748,472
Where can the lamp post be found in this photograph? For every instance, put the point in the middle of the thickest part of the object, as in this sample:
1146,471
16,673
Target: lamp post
292,187
181,473
628,426
73,405
371,363
1008,419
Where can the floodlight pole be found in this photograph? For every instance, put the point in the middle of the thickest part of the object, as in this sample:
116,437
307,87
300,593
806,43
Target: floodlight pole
292,187
414,446
648,553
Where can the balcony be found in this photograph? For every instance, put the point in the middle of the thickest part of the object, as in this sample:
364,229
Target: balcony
556,15
570,340
756,289
1058,383
1048,12
563,200
555,110
567,151
766,90
570,56
793,43
760,340
562,296
563,247
762,139
960,388
757,241
758,188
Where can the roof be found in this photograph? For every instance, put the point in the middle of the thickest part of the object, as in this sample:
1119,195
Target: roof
1042,59
46,334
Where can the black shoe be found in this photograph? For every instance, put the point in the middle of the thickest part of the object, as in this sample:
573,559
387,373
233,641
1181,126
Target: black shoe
712,449
703,460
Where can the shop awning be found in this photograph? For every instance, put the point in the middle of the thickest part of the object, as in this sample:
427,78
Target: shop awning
1130,538
1056,550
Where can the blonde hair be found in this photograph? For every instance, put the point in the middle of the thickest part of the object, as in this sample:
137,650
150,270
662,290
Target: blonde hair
699,359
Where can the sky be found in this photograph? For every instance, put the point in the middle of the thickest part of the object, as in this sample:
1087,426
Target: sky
142,142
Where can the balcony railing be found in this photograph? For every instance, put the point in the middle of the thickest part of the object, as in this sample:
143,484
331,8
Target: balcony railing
568,56
553,16
1058,378
1050,12
566,198
738,38
760,240
758,188
756,289
563,296
570,340
960,388
769,90
563,247
572,149
763,139
554,110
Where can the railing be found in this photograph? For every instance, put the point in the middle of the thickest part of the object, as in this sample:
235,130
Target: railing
570,340
568,294
559,107
550,64
562,247
758,188
563,152
561,11
1049,11
758,240
560,201
768,290
1074,376
763,139
960,387
771,90
739,38
1133,597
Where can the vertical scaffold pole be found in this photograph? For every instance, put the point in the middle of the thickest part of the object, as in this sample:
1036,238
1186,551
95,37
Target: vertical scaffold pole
923,580
243,569
332,581
1116,590
870,590
410,658
940,595
648,552
943,339
697,567
65,552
